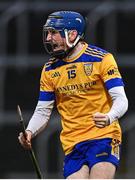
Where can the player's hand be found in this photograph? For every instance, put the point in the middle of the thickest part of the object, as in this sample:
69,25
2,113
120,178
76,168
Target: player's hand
101,120
25,141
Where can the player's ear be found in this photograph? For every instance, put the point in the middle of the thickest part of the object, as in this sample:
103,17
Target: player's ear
72,35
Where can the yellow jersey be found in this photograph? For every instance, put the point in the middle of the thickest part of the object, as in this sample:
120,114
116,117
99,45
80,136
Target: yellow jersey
80,87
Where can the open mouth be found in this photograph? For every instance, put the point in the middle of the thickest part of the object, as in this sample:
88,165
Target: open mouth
57,47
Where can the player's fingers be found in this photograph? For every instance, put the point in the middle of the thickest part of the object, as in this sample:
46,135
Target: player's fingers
99,125
100,122
98,114
26,145
23,141
21,137
103,117
29,135
100,119
104,123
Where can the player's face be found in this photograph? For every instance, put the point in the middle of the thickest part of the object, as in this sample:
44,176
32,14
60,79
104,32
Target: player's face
54,37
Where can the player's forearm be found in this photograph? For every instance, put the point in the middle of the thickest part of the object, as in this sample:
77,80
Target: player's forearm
40,117
120,103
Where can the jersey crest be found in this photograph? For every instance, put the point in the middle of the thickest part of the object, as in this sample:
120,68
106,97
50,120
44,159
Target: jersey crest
88,68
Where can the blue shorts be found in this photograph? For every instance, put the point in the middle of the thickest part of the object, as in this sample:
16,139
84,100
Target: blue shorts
91,152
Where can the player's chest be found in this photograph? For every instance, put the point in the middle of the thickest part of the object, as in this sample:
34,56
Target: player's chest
76,73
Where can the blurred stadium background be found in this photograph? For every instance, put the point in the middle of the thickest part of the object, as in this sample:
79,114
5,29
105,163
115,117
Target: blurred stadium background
111,25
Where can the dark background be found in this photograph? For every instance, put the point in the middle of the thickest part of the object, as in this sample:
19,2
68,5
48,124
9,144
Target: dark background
111,25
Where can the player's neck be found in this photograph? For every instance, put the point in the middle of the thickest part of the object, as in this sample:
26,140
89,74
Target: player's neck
76,50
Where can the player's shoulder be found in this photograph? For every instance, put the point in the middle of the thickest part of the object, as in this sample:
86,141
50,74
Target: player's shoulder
49,64
96,52
96,48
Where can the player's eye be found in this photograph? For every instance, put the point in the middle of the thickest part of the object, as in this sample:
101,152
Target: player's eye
52,31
